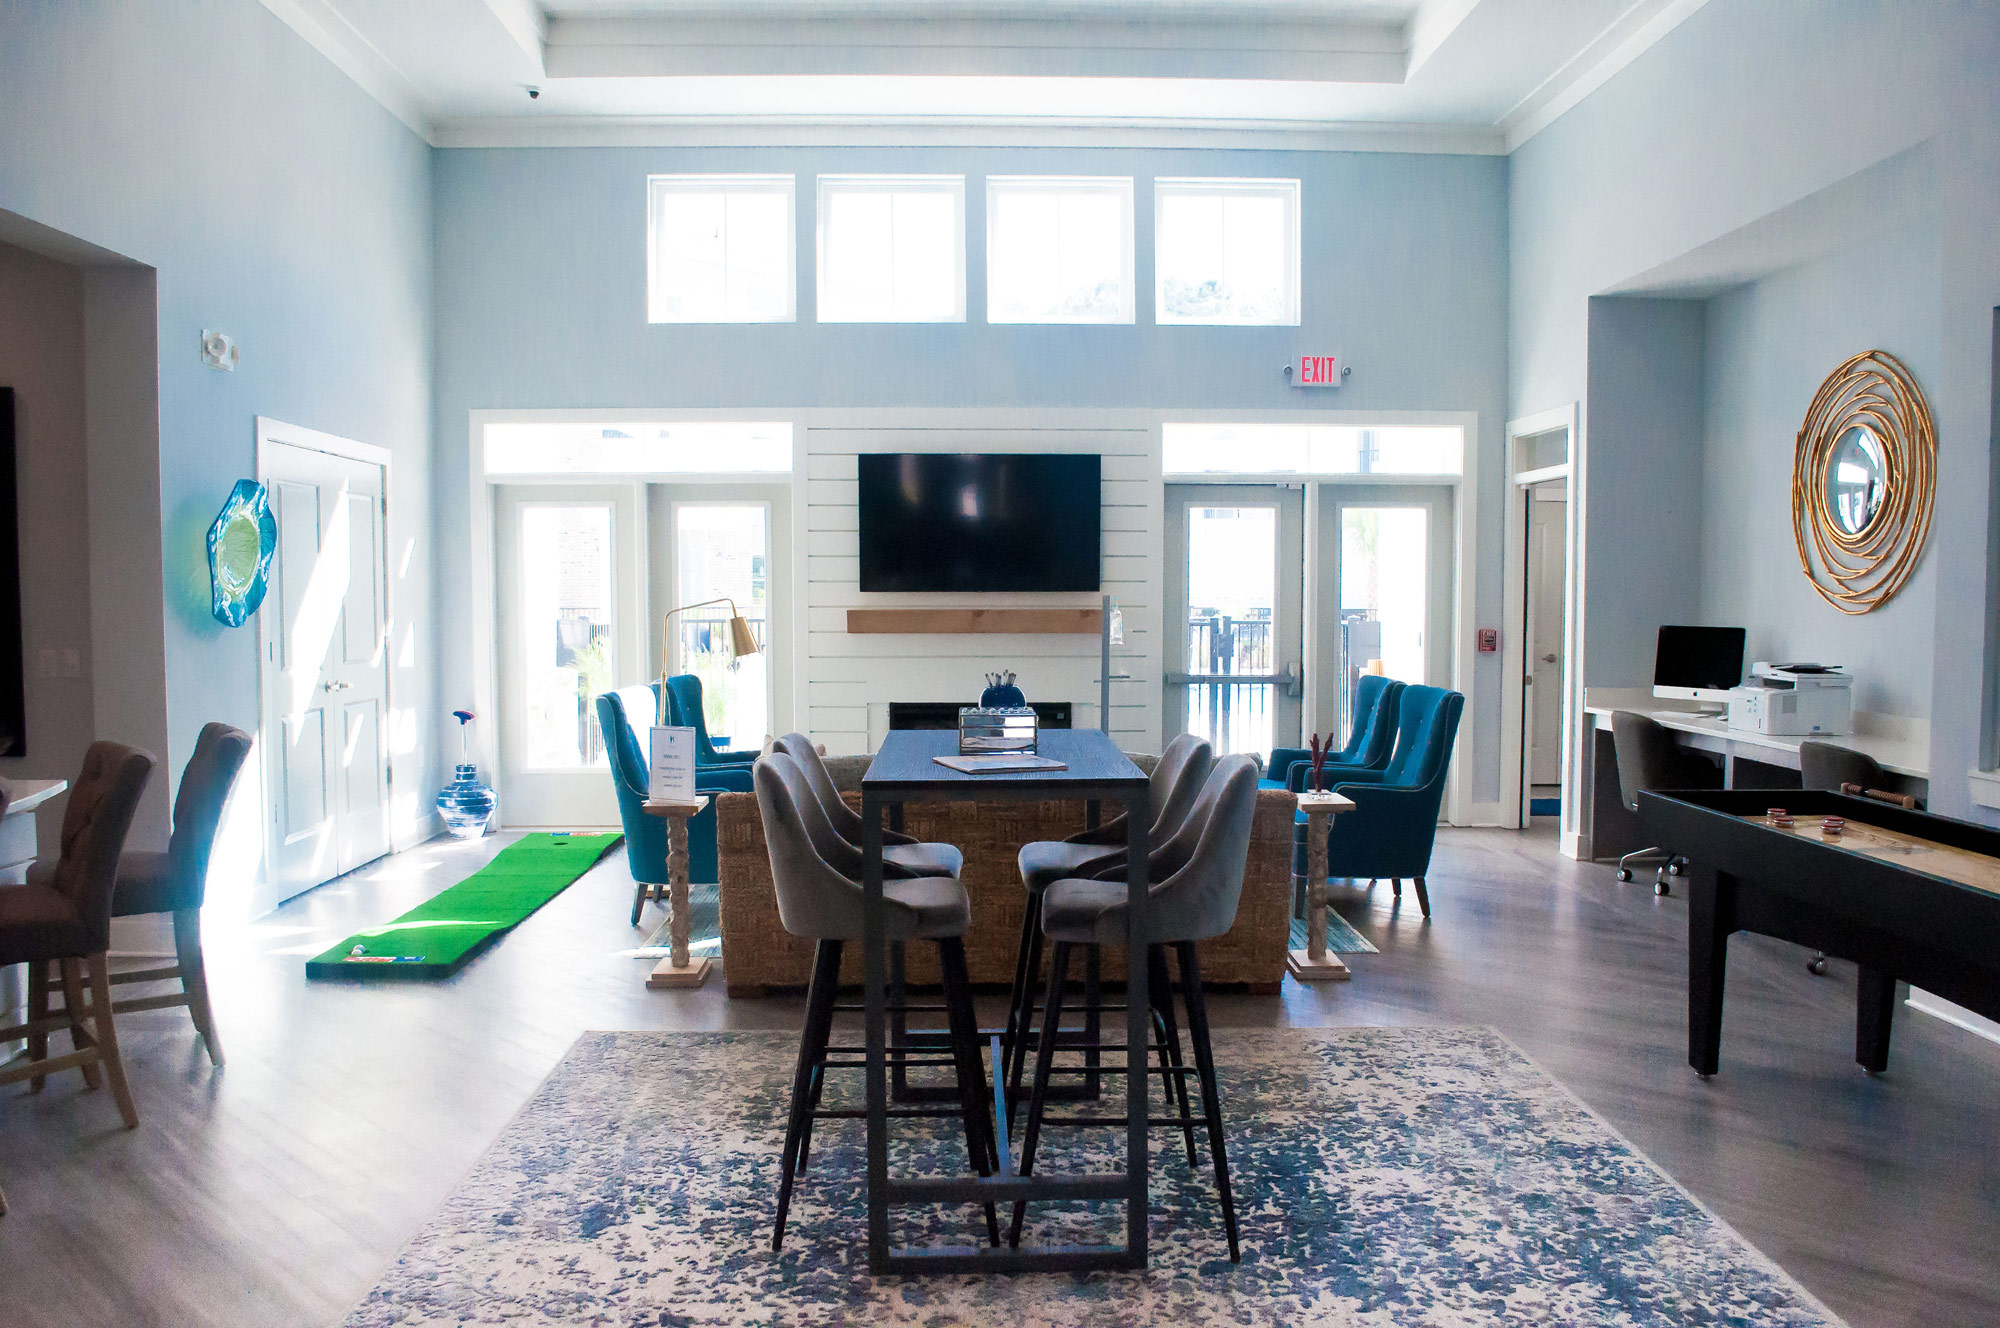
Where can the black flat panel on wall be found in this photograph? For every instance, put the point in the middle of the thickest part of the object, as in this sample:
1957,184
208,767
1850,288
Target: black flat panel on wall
13,652
972,522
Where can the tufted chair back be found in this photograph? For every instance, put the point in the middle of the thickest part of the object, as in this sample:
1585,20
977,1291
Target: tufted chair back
211,772
95,822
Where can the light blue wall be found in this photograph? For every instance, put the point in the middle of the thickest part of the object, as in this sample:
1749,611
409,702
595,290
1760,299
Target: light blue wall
541,303
1770,344
279,204
1744,109
1642,495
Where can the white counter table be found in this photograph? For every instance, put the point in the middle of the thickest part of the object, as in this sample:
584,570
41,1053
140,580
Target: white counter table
1749,760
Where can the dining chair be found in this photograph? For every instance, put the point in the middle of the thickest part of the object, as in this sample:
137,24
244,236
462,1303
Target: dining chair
1175,783
1195,902
901,855
177,880
823,904
62,918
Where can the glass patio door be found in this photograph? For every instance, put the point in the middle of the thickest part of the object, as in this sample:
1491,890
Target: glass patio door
721,549
1234,577
570,626
1385,589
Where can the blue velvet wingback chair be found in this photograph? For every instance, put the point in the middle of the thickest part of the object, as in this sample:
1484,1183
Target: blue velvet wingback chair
684,711
1394,822
1369,744
646,836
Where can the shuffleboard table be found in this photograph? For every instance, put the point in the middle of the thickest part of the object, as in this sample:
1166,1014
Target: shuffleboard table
1907,896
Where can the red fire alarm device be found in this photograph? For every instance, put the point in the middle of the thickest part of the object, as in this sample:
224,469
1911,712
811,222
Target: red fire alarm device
1489,640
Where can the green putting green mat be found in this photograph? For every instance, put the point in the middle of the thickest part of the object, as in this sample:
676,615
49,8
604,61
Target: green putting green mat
437,938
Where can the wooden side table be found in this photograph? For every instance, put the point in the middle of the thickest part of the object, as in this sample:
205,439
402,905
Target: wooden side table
678,969
1314,964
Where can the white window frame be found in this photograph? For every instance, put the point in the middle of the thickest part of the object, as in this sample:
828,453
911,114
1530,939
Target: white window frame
953,185
1119,185
658,187
1189,186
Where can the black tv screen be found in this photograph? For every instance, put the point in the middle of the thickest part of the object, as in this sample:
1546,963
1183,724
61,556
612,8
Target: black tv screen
961,521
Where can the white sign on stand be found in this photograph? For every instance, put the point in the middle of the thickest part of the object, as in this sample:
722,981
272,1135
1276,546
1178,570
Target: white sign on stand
672,764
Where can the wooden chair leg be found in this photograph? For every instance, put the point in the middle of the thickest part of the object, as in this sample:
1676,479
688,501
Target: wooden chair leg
73,1007
194,979
639,899
107,1037
1423,897
38,1009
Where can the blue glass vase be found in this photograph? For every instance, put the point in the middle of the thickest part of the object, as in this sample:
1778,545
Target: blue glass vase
1002,696
465,804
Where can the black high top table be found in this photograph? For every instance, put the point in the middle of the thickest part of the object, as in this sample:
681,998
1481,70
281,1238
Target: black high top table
904,772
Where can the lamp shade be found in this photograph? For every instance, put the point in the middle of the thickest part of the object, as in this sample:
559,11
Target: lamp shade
741,639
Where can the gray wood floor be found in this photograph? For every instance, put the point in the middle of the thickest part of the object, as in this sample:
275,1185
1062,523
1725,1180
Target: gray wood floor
275,1191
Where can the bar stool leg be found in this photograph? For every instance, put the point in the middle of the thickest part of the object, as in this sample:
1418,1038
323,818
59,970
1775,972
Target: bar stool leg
1211,1099
1017,1053
1045,1056
979,1141
1162,992
812,1051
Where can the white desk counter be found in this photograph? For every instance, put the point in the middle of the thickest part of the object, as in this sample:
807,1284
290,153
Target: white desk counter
17,851
1900,746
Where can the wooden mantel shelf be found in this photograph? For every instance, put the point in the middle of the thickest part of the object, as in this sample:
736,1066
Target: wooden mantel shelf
960,622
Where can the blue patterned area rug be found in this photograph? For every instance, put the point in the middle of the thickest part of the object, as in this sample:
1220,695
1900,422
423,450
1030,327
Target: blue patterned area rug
1383,1177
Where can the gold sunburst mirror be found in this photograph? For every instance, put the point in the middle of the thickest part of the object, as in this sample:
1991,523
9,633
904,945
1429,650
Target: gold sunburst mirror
1864,479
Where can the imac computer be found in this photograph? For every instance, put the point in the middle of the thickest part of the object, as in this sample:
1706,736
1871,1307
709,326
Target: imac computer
1698,663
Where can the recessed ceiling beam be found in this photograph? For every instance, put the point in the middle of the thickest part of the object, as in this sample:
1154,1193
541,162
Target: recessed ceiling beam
1135,46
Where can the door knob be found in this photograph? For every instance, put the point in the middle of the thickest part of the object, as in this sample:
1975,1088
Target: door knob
1548,659
337,686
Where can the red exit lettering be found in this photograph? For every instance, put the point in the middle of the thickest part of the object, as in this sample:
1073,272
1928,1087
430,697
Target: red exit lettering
1318,371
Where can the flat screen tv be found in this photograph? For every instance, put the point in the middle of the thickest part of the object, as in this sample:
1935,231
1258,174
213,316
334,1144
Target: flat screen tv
979,522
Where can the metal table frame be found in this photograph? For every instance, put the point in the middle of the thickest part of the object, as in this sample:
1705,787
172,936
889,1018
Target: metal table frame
904,772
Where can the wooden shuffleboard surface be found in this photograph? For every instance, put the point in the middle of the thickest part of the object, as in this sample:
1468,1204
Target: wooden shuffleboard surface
1952,864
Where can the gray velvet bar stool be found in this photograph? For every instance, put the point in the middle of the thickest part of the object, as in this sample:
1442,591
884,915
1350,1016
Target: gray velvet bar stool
901,855
1176,782
819,902
1196,902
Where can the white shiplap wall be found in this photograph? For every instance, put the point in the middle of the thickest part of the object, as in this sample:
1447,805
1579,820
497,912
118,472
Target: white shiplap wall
848,681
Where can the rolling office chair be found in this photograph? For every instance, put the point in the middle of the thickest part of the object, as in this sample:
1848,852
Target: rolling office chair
1649,758
1826,765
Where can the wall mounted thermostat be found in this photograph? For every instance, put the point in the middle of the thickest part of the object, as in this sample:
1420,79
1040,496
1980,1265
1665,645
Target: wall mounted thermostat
218,351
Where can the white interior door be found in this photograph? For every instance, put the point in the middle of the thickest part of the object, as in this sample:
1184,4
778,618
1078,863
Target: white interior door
1548,516
570,623
325,691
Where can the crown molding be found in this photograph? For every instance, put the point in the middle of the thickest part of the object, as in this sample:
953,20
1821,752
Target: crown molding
933,131
1635,32
328,32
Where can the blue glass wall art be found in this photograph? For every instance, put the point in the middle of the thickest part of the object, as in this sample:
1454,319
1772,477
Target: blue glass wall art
240,546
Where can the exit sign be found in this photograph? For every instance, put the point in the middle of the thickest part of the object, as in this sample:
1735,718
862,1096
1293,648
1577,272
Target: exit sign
1316,371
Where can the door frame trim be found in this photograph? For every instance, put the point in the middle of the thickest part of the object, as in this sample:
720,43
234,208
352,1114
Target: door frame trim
264,894
1514,593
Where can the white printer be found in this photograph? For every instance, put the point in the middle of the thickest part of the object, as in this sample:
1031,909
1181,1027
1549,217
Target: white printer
1793,700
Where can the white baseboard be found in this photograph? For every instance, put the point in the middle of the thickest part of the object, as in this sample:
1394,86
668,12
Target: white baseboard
1940,1008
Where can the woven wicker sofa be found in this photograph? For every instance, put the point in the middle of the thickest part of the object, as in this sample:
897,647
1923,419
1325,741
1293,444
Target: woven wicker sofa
759,956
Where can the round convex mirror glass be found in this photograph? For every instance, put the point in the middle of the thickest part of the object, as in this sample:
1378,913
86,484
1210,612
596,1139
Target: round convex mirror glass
1857,479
